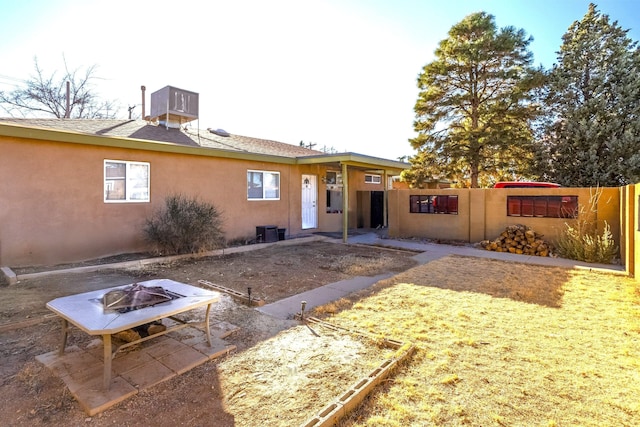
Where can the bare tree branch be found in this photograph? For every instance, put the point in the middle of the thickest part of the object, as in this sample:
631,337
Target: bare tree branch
48,94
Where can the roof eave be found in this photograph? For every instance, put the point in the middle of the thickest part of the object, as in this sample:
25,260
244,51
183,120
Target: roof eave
356,160
45,134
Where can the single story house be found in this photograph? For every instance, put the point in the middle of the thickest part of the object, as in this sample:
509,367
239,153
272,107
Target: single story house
77,189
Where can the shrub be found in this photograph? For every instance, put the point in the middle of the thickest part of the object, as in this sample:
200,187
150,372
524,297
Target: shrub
581,243
580,240
185,225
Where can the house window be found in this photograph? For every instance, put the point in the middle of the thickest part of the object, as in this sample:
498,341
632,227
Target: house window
543,206
333,181
433,204
263,185
126,181
372,179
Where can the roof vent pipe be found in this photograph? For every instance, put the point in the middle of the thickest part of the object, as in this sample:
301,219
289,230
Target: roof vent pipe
142,88
67,111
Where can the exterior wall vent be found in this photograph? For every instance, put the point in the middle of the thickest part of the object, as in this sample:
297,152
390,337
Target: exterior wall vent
172,107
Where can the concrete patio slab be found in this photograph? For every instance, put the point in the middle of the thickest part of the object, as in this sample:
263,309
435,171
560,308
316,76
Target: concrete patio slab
218,348
148,375
183,360
131,360
135,369
94,399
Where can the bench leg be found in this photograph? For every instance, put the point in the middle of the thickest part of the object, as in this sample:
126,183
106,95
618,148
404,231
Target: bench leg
106,341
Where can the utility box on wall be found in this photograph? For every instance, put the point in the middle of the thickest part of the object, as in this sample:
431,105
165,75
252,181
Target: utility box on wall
266,233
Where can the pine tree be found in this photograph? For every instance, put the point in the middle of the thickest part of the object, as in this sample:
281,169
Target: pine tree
474,109
593,134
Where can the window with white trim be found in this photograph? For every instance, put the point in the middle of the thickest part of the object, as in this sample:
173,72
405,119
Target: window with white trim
126,181
263,185
372,179
334,191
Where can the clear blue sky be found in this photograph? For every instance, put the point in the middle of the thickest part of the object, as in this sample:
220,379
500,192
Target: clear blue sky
338,73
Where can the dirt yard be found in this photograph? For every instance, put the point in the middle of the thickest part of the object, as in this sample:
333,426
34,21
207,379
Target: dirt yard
281,373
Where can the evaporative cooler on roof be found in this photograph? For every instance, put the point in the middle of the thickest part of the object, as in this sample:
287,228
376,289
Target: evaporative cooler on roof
172,107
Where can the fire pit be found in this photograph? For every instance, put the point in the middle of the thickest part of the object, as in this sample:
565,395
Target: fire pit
136,296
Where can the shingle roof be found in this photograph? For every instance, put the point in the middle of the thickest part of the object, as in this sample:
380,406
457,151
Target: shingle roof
140,129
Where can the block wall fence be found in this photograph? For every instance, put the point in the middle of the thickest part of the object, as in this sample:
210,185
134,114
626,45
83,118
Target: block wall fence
482,215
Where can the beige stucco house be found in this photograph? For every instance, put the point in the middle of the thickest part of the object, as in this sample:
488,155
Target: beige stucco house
79,189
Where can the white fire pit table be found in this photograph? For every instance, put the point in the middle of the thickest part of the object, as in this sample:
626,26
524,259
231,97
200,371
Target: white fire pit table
86,311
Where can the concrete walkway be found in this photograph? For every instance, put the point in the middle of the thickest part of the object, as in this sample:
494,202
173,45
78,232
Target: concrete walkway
288,307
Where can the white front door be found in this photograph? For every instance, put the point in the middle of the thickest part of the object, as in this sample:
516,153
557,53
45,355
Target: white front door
309,202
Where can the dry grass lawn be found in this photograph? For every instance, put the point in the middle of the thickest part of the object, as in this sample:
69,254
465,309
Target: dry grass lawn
287,379
504,344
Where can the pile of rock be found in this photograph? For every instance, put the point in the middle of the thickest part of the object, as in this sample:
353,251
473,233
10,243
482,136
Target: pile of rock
518,239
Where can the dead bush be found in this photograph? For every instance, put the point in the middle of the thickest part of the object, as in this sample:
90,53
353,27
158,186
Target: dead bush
185,225
581,240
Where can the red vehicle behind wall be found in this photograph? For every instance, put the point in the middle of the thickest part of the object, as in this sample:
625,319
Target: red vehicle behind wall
516,184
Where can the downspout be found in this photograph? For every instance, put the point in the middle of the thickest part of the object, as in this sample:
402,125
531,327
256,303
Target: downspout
345,203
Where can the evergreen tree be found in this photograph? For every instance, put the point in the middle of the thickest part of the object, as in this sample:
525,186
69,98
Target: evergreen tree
593,134
474,109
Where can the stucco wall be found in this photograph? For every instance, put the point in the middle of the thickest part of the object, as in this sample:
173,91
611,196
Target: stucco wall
482,213
402,223
52,208
632,245
635,220
607,209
